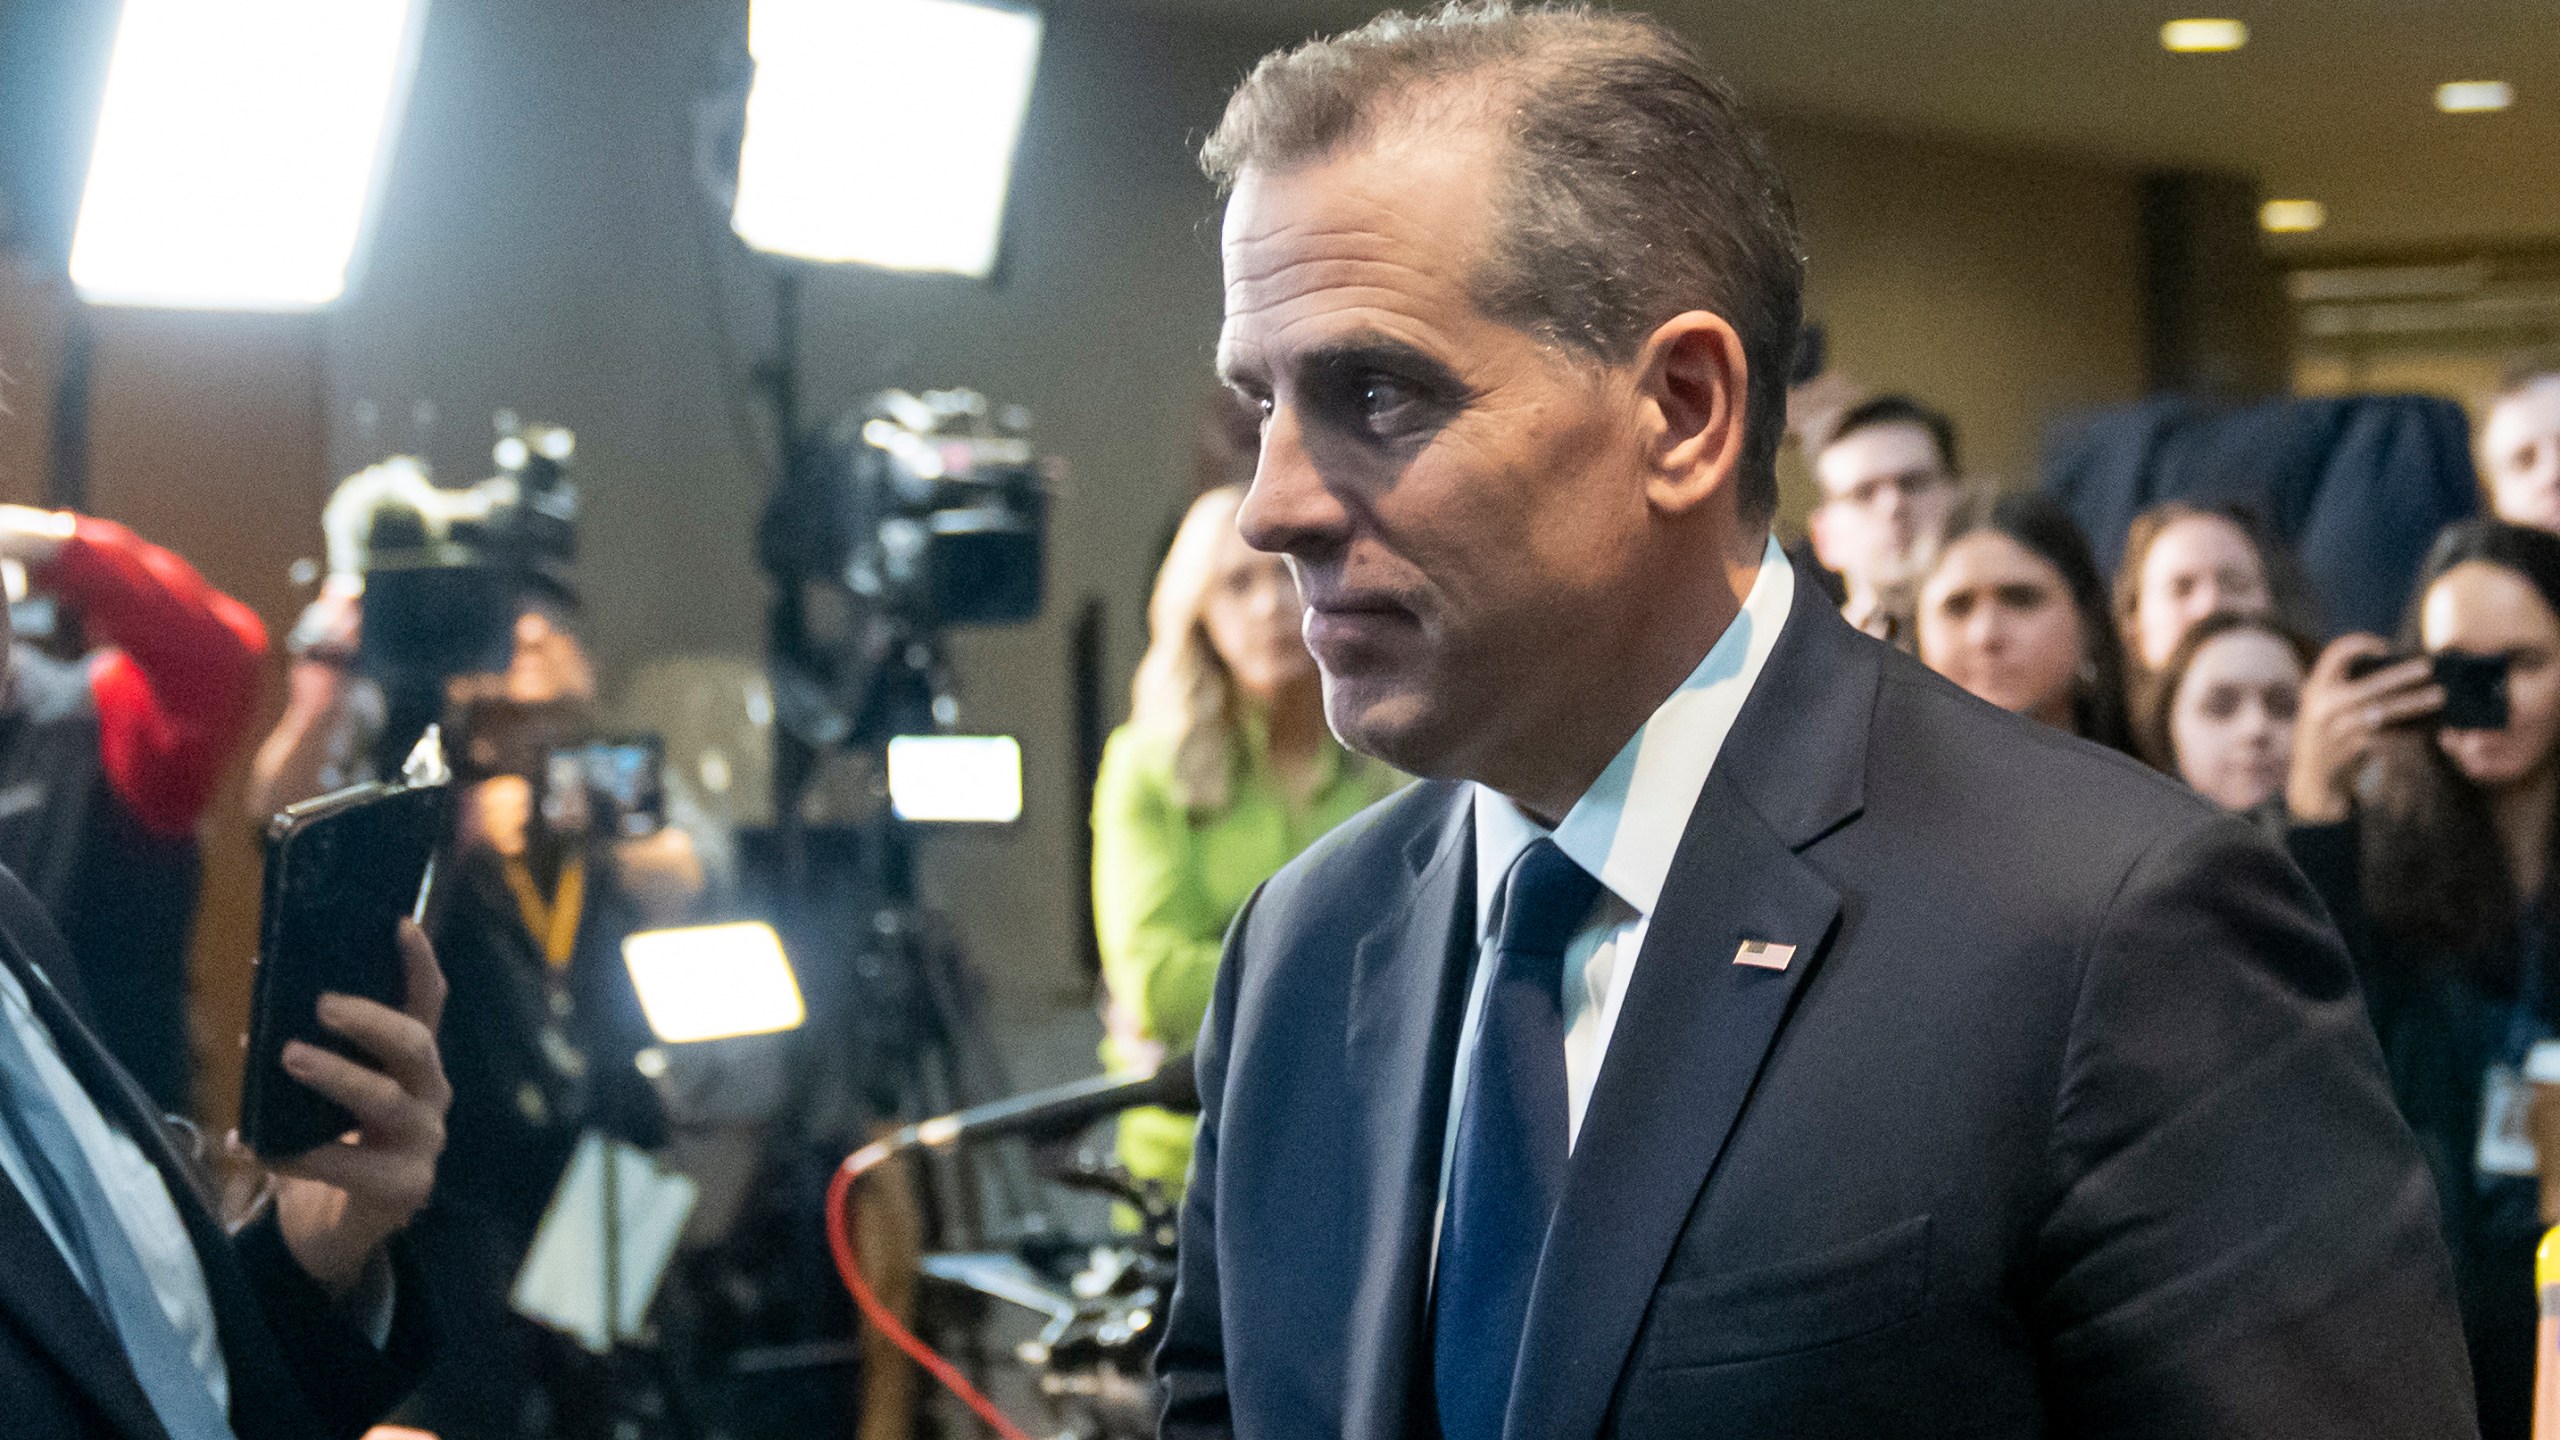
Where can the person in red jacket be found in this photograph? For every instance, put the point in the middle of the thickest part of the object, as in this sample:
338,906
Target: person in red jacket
107,762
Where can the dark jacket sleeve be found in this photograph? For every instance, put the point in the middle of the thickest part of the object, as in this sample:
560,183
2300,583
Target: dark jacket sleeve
1191,1361
346,1382
2244,1240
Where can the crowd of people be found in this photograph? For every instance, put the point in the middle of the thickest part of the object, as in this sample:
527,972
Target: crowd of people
116,730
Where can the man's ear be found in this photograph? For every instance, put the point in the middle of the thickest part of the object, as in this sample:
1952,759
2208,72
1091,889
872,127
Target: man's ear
1694,380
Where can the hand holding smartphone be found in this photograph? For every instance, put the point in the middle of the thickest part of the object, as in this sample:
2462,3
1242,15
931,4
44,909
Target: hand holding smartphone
342,871
2475,686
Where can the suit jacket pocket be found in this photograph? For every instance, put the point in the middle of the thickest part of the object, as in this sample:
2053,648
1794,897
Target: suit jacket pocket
1838,1294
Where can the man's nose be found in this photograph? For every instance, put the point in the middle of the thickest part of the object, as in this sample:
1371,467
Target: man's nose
1289,510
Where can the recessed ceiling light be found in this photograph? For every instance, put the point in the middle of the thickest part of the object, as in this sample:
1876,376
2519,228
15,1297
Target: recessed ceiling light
2474,97
2203,37
2292,217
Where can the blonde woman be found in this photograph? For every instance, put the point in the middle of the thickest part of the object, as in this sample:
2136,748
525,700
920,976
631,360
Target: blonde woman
1224,772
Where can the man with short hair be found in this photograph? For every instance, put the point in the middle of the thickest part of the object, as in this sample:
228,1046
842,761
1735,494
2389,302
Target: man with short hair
1887,473
1740,1031
2520,449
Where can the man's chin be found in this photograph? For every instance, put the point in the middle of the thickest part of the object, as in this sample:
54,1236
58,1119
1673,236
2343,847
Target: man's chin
1392,724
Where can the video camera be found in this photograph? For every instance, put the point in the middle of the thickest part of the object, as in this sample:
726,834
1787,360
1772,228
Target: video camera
446,571
910,516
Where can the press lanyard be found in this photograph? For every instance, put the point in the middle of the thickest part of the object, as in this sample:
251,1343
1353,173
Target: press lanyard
553,923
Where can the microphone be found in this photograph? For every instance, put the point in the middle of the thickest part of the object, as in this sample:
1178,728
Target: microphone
1058,1110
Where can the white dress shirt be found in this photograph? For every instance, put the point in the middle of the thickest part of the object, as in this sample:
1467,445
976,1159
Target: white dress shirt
134,1187
1624,830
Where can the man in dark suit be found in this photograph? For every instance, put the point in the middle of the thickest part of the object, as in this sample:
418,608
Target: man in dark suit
126,1310
1743,1032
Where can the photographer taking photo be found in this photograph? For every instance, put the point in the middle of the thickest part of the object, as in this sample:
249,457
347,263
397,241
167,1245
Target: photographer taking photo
2432,844
462,610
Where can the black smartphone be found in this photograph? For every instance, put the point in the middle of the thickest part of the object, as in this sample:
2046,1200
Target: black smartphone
2475,686
624,781
342,871
2475,690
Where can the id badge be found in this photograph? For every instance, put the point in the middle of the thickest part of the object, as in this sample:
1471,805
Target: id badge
2506,1134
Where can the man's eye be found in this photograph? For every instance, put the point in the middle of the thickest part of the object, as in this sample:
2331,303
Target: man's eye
1385,401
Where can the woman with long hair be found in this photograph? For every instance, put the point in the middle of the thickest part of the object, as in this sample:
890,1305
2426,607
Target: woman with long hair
1223,774
2013,611
2219,714
2184,560
2433,847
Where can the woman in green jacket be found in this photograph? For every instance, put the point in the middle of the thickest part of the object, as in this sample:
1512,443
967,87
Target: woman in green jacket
1224,772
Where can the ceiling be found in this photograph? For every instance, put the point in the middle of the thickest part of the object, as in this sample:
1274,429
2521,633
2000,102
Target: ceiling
2330,100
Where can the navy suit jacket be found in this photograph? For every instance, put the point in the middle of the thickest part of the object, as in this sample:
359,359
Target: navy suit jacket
2065,1118
300,1369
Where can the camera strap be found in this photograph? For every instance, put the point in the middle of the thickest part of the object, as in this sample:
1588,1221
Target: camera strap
553,923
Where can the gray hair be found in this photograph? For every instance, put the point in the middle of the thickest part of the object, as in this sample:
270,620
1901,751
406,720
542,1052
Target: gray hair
1639,189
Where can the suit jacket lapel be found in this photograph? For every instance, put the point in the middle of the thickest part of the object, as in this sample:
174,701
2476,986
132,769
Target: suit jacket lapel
33,950
1696,1027
1689,1044
1408,1000
40,1294
37,1287
261,1386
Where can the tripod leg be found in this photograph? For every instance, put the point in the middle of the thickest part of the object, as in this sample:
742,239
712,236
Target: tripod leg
890,1228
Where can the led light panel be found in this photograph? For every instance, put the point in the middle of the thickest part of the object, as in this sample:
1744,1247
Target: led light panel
240,149
971,779
712,982
882,132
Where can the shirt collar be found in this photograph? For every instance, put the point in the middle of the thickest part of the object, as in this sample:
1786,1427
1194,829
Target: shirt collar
1626,827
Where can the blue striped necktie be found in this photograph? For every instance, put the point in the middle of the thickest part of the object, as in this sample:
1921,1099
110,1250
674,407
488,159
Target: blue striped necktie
101,1255
1509,1164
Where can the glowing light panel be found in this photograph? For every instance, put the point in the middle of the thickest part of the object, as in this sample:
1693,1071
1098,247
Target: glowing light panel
712,982
2292,217
2203,37
975,779
240,148
882,132
2474,97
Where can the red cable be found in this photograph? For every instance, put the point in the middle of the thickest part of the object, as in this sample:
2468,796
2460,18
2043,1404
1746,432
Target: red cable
839,1221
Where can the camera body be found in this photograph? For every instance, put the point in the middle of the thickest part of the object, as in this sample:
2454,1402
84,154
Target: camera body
930,508
907,518
446,571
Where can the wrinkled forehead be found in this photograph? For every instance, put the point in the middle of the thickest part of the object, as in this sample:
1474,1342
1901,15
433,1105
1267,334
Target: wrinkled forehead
1385,237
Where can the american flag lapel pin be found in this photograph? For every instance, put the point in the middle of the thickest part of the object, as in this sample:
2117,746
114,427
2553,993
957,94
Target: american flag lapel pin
1765,954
